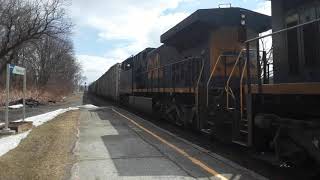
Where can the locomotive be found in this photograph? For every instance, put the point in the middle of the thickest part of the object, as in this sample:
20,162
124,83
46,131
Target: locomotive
212,75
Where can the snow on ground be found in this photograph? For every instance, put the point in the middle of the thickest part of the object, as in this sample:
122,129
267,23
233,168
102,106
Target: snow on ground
17,106
42,118
11,142
88,106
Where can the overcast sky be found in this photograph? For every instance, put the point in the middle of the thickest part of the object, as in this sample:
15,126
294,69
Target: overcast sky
109,31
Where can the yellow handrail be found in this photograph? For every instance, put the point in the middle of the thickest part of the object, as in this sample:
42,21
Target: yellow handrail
241,89
197,86
212,73
230,76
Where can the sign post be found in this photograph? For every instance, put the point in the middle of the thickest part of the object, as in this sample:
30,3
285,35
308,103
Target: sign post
6,128
12,69
24,95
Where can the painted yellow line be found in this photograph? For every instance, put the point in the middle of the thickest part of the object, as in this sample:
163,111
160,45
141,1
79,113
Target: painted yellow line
182,152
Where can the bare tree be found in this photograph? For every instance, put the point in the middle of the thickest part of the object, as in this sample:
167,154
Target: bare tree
24,21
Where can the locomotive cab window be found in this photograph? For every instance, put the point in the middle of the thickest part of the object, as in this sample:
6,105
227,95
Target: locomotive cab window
303,44
311,36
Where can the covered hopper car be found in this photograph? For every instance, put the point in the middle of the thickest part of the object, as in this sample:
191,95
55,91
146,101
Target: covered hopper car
108,85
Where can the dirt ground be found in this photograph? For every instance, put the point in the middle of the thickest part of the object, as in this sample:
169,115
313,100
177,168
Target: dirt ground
46,153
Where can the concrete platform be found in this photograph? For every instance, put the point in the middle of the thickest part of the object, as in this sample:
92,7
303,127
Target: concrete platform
115,144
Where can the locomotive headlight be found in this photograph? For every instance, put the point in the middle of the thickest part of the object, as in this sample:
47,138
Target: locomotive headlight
243,19
128,65
243,22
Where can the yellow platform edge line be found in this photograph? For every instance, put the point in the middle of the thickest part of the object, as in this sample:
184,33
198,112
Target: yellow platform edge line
180,151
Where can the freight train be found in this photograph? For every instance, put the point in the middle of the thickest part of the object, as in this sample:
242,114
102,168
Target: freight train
211,74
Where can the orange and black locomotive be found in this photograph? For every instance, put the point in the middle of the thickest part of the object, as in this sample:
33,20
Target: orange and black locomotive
215,74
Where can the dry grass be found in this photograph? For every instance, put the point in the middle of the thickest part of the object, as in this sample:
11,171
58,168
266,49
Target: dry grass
43,96
46,153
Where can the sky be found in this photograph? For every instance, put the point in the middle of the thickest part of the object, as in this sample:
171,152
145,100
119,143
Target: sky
109,31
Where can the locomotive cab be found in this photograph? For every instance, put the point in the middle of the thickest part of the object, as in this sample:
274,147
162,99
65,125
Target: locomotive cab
214,37
284,104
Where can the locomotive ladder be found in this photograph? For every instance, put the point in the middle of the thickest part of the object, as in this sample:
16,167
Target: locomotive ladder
229,92
240,128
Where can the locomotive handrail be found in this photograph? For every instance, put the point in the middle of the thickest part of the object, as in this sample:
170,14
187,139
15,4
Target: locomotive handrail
157,68
241,89
282,30
197,85
248,83
227,88
247,43
200,74
231,74
212,73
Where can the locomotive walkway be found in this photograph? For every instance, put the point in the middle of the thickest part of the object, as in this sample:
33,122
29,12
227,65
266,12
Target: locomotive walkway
115,144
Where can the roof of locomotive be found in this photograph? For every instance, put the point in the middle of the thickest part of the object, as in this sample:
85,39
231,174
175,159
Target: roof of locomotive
206,19
146,50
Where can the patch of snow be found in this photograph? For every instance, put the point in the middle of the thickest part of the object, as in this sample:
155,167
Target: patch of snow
17,106
11,142
42,118
88,106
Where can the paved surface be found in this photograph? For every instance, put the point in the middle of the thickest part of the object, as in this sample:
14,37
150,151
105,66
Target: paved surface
115,144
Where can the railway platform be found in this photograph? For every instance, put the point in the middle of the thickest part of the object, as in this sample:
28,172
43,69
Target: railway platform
115,144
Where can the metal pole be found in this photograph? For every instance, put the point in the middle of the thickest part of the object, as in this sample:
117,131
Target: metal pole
259,66
249,97
264,59
24,94
7,98
283,30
